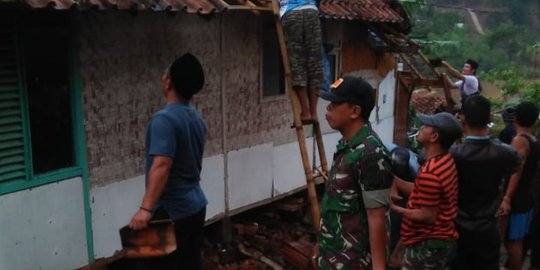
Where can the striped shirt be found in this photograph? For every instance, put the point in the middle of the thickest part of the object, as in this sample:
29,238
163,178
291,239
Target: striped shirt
435,186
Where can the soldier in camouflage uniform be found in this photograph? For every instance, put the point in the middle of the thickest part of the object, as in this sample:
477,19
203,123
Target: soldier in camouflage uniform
354,220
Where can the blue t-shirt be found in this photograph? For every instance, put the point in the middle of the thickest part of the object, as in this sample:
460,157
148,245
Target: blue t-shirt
178,131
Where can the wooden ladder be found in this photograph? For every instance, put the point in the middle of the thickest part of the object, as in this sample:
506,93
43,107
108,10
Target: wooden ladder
310,174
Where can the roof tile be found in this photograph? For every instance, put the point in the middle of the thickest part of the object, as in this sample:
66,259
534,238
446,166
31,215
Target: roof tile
366,10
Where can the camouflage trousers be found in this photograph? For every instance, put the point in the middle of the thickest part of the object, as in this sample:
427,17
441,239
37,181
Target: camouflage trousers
432,254
302,31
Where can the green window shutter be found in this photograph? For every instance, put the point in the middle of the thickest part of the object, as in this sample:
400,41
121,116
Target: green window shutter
12,147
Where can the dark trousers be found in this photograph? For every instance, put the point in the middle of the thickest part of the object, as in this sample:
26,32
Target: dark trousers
478,249
189,236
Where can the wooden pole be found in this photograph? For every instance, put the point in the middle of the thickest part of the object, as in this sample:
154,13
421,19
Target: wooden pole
447,94
310,183
320,146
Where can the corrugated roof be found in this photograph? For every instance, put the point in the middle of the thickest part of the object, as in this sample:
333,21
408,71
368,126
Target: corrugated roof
365,10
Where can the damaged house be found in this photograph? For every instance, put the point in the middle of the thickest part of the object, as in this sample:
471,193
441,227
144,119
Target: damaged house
79,80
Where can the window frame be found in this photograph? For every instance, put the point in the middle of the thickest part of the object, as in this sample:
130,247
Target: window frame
264,98
75,89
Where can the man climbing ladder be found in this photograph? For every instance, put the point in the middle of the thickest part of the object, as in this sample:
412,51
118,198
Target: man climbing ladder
308,73
302,31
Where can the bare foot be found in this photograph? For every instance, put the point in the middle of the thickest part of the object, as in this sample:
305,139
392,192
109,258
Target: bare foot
305,117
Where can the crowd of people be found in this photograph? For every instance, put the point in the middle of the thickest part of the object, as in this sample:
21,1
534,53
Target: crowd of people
471,195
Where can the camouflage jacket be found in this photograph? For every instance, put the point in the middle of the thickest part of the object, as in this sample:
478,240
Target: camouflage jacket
360,178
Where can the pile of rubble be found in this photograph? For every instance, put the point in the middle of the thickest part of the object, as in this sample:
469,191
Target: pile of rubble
276,236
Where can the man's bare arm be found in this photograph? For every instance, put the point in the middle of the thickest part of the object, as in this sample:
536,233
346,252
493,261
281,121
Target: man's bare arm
425,215
377,236
157,178
522,146
454,72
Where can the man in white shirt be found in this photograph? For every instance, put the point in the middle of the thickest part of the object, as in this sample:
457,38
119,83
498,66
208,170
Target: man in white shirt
468,83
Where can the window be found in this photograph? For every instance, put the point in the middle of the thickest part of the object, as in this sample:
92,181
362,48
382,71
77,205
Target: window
334,53
37,142
273,79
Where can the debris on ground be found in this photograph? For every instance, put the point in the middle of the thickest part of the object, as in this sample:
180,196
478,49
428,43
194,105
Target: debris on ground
274,237
277,236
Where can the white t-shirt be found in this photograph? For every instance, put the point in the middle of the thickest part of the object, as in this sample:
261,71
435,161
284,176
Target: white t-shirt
471,85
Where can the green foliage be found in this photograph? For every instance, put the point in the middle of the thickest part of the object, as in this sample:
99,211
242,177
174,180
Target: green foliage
514,87
532,92
447,35
510,38
508,80
517,9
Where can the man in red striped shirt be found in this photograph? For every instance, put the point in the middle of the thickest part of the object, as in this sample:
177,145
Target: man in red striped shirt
428,230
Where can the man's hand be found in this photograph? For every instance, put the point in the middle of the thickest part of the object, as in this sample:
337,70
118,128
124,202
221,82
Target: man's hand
395,208
505,207
315,256
394,194
140,220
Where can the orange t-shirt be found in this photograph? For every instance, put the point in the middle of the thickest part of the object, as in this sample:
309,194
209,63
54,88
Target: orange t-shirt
435,186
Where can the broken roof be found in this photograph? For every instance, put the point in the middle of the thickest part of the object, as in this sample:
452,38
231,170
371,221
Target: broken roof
365,10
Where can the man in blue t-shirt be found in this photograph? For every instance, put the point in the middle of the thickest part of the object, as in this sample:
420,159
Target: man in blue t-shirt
174,142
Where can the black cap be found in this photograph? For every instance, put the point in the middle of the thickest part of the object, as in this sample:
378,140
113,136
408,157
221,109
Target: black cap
447,124
349,89
187,75
509,114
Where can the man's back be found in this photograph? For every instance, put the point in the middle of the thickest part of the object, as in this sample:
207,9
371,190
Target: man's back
178,131
482,165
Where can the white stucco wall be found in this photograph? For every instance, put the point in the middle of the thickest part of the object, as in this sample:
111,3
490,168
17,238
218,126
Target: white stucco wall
382,117
43,228
113,205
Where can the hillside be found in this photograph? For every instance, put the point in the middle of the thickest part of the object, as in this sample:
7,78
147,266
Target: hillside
499,34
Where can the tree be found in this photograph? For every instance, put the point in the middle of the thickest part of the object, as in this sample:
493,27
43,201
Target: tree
514,87
510,38
411,6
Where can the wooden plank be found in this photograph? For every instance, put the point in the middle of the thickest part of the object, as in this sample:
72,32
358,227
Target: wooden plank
11,168
449,100
9,112
11,124
409,63
9,104
11,148
11,136
11,160
13,176
9,87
